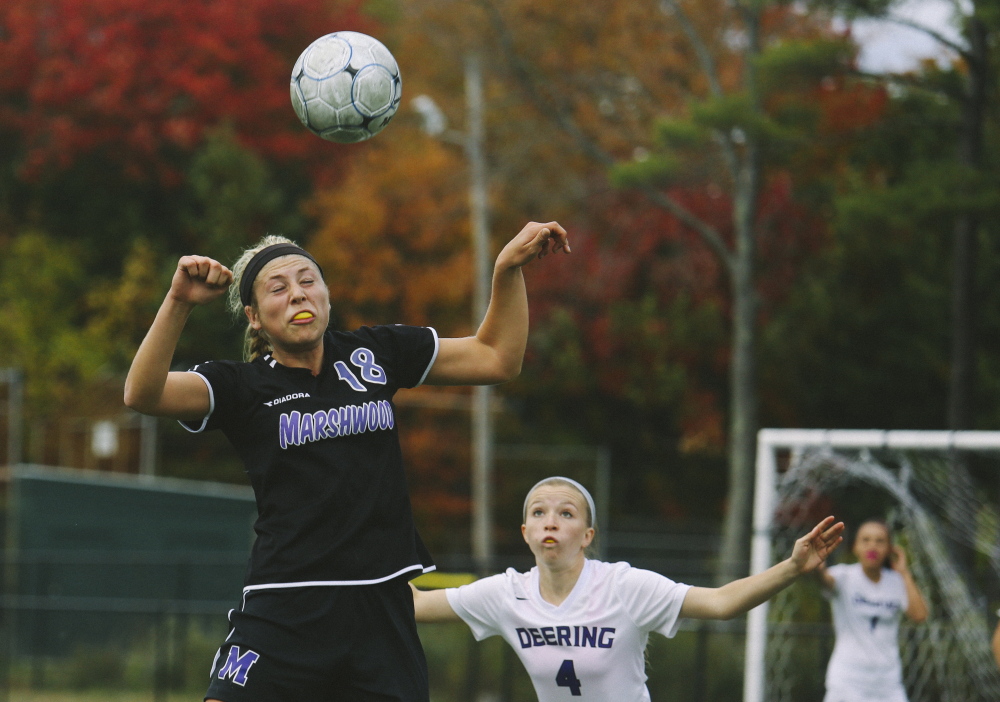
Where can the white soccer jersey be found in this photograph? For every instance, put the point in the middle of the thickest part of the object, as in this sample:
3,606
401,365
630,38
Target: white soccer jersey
591,646
865,664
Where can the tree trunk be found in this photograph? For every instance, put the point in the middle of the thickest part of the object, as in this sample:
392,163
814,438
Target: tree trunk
742,408
734,554
962,377
961,391
963,319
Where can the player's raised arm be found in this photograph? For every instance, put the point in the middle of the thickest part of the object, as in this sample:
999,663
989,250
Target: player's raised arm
995,644
495,353
916,610
825,579
150,387
743,595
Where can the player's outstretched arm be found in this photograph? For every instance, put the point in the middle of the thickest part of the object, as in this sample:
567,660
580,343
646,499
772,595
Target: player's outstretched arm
150,387
432,606
740,596
825,579
495,353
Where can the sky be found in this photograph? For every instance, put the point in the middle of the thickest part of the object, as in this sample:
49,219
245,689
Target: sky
888,47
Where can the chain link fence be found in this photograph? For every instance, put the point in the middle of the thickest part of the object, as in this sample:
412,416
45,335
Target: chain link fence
117,588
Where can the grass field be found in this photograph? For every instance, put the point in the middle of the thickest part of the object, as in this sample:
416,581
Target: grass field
695,667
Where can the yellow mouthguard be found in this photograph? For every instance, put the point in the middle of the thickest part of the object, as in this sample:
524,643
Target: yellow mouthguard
303,315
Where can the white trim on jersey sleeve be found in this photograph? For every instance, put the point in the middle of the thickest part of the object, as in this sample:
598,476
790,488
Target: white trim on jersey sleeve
437,346
211,406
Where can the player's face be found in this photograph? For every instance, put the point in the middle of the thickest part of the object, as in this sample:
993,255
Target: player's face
555,527
293,303
871,546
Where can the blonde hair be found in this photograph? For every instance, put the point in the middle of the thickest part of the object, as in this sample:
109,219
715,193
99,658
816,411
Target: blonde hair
255,341
588,501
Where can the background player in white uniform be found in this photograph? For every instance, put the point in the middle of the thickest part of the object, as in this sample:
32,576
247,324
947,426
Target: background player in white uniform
868,599
996,642
580,626
326,614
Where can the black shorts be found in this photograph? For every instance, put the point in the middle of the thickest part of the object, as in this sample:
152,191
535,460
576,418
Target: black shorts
355,643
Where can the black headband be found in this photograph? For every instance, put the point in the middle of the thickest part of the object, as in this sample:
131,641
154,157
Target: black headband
261,259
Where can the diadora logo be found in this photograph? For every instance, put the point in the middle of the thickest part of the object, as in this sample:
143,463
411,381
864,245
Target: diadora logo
238,665
286,398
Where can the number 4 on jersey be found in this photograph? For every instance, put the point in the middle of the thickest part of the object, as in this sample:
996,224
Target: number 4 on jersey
566,677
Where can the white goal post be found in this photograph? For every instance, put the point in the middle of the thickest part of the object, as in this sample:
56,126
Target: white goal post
772,441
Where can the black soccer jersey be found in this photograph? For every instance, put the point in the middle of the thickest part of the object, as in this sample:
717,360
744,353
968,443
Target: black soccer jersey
323,457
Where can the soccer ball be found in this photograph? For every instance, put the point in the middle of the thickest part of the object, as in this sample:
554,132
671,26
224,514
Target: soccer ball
346,87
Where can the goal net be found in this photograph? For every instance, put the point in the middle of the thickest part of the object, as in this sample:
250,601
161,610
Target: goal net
938,491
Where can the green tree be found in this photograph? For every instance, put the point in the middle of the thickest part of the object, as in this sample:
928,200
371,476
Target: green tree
969,85
732,195
754,69
43,293
132,133
234,197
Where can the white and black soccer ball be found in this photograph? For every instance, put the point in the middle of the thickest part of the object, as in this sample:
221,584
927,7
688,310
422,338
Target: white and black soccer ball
346,87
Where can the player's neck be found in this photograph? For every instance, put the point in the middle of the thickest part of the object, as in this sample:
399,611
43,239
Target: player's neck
556,581
873,574
311,358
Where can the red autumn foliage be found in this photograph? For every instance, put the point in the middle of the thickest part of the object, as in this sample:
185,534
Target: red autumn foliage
631,252
140,81
850,108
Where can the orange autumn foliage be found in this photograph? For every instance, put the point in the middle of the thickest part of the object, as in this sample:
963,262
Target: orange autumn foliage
393,235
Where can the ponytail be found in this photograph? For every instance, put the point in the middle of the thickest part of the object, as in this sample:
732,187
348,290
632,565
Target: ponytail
255,342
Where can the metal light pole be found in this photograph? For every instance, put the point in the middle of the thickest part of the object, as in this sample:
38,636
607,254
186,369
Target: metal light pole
472,141
482,418
15,400
147,445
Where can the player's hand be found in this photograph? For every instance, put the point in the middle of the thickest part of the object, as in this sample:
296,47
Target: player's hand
199,280
811,550
535,240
